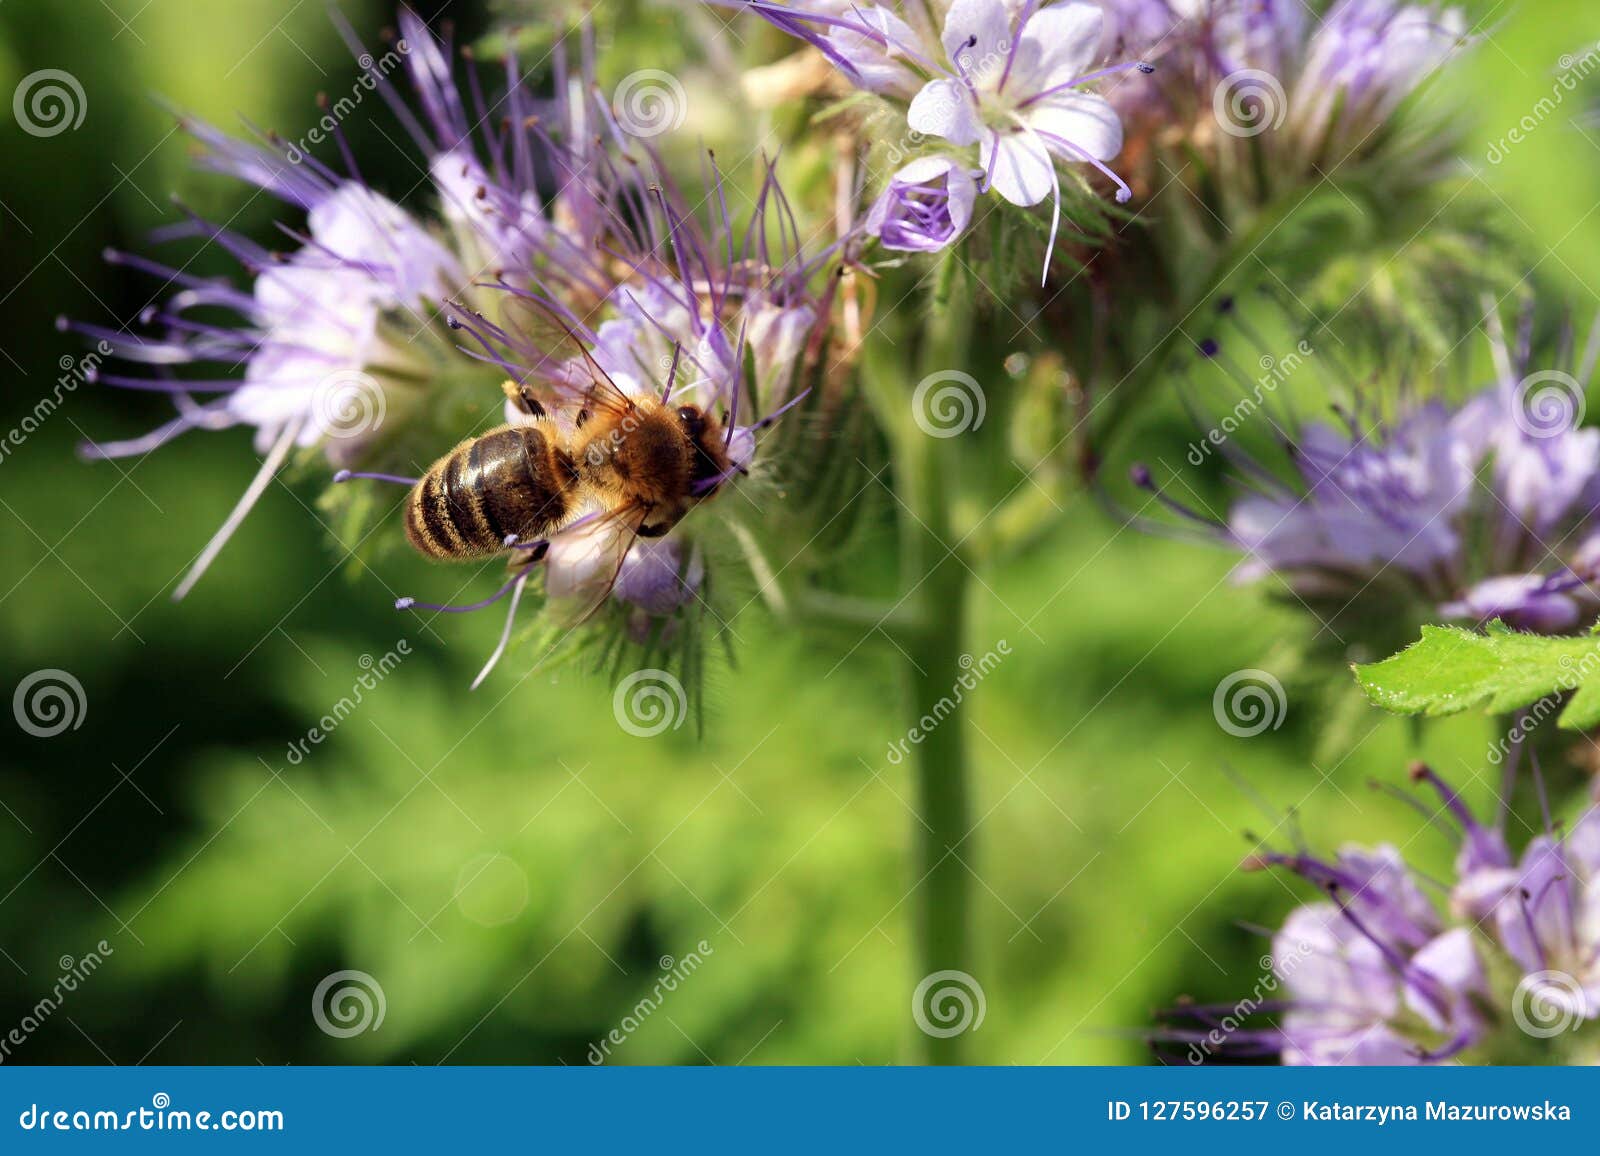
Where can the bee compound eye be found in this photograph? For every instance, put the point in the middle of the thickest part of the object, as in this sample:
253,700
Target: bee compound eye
693,420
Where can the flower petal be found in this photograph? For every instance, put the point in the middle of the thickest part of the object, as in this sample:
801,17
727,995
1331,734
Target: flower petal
963,190
1082,119
878,63
1058,45
944,108
976,36
1024,172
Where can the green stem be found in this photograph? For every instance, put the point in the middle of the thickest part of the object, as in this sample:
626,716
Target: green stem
942,796
936,577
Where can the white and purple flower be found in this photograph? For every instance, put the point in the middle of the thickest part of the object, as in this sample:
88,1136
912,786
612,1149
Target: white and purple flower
925,208
344,332
377,300
1269,79
1478,511
1380,973
1006,78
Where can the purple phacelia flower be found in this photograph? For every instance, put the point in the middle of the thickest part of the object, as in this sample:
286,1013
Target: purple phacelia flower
1008,77
1364,59
926,206
1307,94
1379,972
1480,510
664,304
339,335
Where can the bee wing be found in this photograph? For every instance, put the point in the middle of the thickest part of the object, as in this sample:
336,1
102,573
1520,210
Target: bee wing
578,374
583,563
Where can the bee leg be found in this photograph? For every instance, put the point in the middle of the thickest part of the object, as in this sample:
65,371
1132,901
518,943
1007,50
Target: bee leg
656,531
521,395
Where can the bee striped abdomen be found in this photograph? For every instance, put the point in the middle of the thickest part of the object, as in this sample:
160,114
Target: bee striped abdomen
510,481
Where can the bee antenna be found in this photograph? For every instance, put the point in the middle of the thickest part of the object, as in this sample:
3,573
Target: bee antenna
352,475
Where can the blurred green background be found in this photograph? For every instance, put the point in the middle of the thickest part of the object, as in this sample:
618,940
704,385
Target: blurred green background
507,864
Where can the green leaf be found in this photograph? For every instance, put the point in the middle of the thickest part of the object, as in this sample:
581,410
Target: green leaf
1452,669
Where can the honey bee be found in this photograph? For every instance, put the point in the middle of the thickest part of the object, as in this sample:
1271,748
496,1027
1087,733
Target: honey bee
642,461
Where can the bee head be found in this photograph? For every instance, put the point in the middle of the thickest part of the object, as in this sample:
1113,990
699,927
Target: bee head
693,421
705,433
